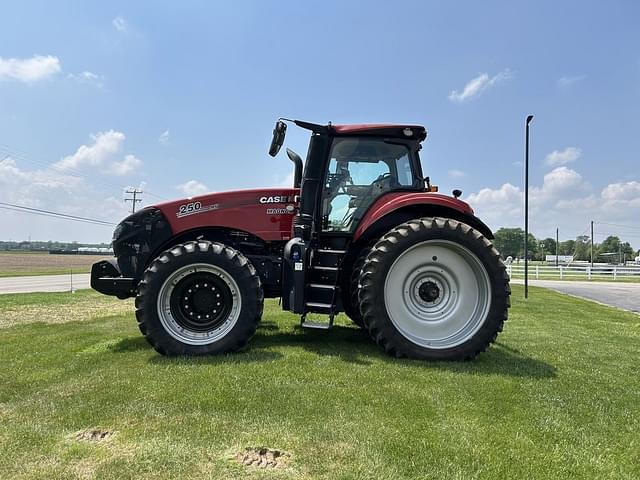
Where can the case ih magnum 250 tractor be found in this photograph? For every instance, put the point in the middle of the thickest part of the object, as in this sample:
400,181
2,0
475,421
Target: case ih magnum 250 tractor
362,232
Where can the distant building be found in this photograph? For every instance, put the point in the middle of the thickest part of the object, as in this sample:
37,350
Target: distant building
561,259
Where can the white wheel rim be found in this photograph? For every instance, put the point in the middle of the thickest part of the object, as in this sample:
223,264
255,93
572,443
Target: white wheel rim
437,294
186,335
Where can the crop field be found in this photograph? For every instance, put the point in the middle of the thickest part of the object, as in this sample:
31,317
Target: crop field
83,396
36,263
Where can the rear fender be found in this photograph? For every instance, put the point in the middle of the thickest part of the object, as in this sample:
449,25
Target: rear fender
394,209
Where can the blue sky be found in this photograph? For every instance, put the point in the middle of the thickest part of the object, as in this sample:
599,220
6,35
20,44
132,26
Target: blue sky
181,97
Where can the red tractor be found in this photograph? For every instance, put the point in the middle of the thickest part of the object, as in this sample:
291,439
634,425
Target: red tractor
362,231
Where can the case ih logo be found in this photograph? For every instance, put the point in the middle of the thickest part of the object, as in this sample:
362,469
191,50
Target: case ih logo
276,199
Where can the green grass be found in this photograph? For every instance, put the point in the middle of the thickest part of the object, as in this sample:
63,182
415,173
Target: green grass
558,397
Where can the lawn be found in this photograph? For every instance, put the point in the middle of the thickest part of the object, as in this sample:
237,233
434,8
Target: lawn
13,264
558,397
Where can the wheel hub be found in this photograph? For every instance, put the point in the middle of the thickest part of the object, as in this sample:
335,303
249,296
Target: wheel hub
429,291
200,301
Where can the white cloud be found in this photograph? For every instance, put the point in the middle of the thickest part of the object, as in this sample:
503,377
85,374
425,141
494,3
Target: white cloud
560,181
88,78
567,81
164,138
564,200
192,188
102,152
120,24
56,191
621,191
479,84
104,146
29,70
562,157
454,173
126,166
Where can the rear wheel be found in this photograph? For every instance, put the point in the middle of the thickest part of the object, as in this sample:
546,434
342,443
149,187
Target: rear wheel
350,301
199,298
434,288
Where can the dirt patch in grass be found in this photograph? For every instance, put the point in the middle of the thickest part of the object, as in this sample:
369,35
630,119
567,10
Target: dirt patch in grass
93,435
80,307
262,457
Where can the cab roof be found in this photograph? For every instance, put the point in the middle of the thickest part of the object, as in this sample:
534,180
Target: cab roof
415,132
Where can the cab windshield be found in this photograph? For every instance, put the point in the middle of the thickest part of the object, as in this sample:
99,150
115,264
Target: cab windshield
360,170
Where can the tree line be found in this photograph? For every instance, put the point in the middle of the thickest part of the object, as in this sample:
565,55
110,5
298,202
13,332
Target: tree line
38,245
510,242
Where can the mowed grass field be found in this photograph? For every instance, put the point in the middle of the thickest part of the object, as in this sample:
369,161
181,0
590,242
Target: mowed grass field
13,264
558,397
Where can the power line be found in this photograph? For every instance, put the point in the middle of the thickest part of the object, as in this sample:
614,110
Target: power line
49,213
617,225
52,216
624,235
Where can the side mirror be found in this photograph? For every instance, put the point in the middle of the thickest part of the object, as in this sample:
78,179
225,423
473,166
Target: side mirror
279,132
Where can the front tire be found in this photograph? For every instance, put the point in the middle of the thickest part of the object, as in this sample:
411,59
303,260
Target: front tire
434,289
199,298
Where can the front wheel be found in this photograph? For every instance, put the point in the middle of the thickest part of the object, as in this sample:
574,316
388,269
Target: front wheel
435,289
199,298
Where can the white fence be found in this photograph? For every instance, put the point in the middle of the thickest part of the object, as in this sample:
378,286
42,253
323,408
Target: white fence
575,272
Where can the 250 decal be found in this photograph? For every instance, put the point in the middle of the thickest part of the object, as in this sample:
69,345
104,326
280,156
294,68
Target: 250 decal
194,208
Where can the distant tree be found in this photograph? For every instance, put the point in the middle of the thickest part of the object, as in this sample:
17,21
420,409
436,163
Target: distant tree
568,247
612,244
628,253
534,248
509,242
582,248
548,247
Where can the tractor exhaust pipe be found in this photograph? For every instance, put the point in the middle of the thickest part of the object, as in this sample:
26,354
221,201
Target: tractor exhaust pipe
297,161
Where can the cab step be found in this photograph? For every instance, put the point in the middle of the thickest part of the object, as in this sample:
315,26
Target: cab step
304,323
316,325
322,286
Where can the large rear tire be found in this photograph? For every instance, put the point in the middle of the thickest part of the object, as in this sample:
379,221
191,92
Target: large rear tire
199,298
434,289
350,300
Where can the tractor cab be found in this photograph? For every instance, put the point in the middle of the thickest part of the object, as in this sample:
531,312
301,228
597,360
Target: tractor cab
347,170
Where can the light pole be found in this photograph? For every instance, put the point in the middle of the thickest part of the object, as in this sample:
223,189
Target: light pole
526,207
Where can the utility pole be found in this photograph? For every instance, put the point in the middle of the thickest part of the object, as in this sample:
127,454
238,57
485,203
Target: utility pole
556,246
620,253
134,200
591,243
526,207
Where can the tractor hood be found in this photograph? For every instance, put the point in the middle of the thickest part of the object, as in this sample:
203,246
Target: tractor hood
265,212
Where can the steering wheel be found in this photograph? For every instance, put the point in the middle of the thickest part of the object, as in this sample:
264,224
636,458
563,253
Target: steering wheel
379,182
